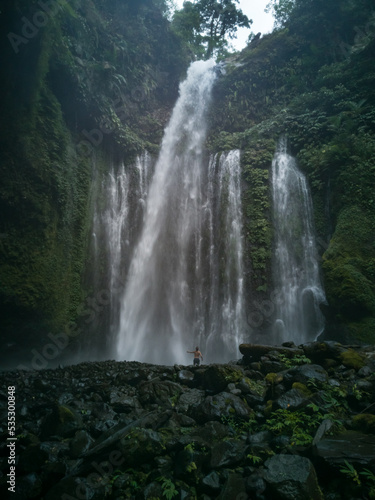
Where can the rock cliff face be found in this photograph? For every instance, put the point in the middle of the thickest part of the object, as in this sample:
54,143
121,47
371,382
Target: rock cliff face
287,423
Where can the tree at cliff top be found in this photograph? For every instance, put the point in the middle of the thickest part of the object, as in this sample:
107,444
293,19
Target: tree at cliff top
206,25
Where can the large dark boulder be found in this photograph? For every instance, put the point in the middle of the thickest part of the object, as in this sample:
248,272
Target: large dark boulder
189,399
211,482
186,377
227,453
80,444
292,400
234,488
305,373
141,446
353,446
159,392
292,477
63,421
221,405
217,377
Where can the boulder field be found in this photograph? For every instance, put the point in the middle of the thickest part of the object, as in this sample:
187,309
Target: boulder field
283,422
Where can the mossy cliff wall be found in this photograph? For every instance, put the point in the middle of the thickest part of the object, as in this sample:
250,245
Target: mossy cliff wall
82,81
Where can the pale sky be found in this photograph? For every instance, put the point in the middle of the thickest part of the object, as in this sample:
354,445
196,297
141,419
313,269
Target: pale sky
254,9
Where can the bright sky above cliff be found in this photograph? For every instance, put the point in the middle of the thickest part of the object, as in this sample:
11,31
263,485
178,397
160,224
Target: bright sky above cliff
254,9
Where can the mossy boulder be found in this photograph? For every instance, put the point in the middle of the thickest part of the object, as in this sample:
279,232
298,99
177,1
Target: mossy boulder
62,421
274,378
292,400
304,373
352,359
364,422
254,387
217,377
302,389
140,446
225,405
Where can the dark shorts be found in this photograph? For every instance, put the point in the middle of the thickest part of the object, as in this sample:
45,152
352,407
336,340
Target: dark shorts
196,362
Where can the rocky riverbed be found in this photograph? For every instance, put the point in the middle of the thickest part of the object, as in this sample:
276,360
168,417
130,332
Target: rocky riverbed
283,423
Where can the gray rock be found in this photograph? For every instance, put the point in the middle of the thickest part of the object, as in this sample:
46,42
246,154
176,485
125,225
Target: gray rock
255,484
355,447
365,371
306,372
365,385
159,392
291,477
141,446
122,403
227,453
259,439
221,405
62,421
292,400
189,399
272,367
80,444
153,490
234,488
319,351
211,482
324,427
217,377
212,431
333,382
186,377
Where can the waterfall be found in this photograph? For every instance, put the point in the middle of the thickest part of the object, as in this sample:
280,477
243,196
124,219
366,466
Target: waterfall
295,266
118,217
184,284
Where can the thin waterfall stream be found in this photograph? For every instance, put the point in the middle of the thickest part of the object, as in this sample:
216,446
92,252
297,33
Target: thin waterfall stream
296,264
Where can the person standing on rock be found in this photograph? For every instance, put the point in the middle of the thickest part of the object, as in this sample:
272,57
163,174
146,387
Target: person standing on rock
197,355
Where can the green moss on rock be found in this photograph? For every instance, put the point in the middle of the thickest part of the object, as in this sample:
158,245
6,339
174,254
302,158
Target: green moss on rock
364,422
352,359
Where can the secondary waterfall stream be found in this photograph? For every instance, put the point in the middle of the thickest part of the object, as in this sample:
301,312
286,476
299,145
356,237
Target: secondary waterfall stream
185,285
296,265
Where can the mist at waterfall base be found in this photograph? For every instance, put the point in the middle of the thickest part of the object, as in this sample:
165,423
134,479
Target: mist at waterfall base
173,234
298,317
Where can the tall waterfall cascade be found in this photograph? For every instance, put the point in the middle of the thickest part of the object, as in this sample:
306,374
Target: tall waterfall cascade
184,283
296,263
118,218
